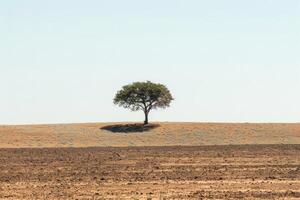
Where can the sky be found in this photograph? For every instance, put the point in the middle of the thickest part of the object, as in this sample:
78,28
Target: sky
62,61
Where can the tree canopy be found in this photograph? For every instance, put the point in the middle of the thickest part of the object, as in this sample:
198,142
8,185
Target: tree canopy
143,96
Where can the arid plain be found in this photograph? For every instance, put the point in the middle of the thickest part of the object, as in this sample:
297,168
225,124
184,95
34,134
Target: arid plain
167,161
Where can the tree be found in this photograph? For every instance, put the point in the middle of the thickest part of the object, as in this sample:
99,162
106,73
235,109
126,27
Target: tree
143,96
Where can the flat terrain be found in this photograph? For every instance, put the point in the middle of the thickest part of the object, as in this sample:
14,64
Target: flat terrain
209,172
162,161
166,134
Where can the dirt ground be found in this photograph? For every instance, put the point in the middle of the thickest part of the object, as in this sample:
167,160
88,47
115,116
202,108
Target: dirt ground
181,172
165,134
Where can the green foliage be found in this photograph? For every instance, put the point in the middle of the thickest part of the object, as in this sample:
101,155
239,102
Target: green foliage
143,96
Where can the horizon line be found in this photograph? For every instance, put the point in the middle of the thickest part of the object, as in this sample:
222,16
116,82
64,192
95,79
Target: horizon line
153,122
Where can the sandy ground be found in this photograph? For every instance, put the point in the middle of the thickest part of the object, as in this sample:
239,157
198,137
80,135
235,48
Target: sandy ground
207,172
167,134
115,161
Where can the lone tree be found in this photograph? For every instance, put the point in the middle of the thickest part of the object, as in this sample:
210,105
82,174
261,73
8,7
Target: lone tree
143,96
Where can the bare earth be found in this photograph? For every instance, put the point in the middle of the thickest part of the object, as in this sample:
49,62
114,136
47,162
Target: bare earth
167,134
210,172
205,166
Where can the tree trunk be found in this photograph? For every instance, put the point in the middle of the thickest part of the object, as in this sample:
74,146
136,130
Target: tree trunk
146,118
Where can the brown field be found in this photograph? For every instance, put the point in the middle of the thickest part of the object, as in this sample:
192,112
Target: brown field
167,134
209,172
186,161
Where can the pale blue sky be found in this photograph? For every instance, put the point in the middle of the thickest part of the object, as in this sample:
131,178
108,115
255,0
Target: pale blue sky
224,60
